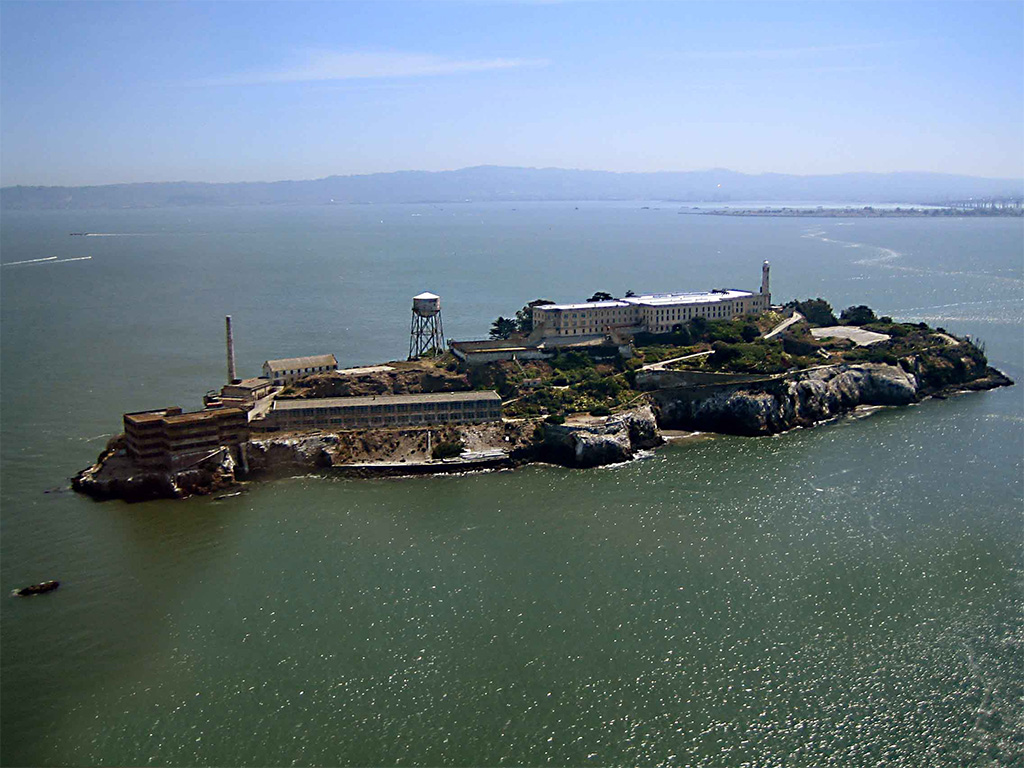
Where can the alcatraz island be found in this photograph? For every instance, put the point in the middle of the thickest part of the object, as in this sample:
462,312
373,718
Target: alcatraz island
578,384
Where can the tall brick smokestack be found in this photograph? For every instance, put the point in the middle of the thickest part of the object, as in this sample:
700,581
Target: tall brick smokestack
231,350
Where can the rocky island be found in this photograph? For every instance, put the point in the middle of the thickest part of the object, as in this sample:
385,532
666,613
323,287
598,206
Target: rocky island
596,401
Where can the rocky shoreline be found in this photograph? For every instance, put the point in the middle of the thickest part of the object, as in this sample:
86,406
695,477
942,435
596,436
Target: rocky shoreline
800,399
805,398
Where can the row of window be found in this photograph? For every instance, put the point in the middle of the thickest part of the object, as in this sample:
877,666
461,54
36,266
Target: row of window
390,418
352,422
682,313
295,371
396,408
591,319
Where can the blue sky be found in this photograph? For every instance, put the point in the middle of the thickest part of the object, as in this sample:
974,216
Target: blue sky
96,92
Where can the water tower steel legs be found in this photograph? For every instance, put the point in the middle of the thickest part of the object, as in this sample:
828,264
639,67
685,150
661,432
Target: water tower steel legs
426,334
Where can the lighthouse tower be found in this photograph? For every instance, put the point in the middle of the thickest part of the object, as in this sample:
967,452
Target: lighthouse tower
764,285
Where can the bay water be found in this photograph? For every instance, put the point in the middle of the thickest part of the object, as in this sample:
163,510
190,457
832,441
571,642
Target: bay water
849,594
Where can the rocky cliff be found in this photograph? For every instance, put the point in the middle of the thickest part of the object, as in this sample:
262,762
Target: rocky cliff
808,397
603,441
114,476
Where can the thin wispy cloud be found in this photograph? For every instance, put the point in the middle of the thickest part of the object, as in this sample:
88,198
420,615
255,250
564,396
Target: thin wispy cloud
333,66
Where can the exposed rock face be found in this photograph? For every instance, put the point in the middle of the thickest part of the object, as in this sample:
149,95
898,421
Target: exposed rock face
775,406
113,476
616,439
313,452
394,382
290,453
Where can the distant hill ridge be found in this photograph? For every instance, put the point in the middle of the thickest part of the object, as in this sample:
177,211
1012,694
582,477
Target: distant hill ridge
498,183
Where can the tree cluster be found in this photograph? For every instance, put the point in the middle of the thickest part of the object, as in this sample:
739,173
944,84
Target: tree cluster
817,311
505,327
858,315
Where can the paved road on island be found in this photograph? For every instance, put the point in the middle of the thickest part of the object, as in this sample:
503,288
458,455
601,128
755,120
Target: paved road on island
661,366
857,335
797,317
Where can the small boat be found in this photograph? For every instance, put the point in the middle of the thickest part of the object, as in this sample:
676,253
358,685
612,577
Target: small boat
37,589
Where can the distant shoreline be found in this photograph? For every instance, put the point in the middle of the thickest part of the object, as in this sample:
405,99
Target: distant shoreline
867,212
519,185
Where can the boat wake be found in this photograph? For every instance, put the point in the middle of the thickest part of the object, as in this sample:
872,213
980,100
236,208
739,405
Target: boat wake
888,258
47,260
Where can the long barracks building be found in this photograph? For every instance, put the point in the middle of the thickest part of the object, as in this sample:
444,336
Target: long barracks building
333,413
654,313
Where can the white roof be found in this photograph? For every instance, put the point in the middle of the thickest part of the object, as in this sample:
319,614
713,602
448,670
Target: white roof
674,299
427,295
587,305
291,363
655,300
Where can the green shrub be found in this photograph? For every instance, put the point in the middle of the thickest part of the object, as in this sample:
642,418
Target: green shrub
606,387
723,354
872,354
817,311
571,361
858,315
793,346
447,449
555,418
601,410
759,357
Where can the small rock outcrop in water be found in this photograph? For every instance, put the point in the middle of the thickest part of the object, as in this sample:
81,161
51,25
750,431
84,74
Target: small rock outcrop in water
799,400
608,441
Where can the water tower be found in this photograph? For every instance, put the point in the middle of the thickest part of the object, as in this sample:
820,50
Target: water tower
426,334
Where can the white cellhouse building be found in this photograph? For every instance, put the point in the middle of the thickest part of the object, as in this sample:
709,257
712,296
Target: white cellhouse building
654,313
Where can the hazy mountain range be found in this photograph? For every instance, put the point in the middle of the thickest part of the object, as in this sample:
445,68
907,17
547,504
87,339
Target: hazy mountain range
496,183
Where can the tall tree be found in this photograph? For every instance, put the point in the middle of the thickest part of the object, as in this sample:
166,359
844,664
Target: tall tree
502,328
817,311
858,315
524,317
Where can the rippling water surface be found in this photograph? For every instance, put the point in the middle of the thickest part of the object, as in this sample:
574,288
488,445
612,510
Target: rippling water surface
845,595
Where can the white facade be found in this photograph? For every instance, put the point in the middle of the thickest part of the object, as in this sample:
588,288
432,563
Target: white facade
654,313
290,370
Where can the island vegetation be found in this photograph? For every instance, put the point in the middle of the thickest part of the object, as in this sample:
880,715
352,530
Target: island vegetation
598,380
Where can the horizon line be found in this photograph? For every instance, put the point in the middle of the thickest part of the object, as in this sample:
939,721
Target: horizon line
517,168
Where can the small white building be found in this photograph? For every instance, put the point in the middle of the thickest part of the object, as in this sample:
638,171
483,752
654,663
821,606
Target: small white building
291,369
